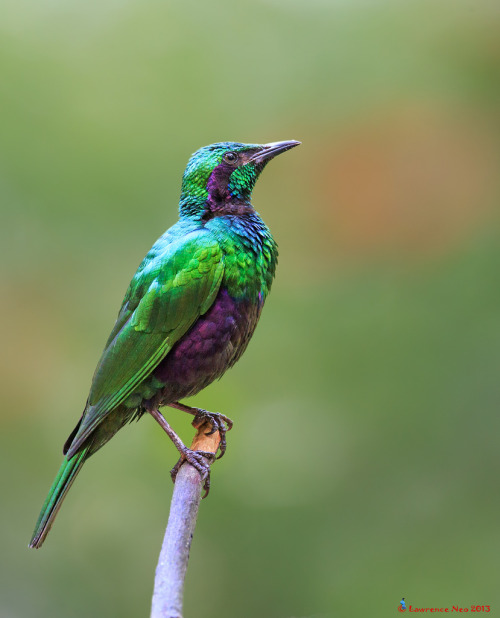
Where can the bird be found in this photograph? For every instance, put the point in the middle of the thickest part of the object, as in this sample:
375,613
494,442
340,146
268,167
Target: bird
187,315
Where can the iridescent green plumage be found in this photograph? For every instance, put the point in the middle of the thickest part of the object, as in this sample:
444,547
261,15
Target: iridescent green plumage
189,311
159,307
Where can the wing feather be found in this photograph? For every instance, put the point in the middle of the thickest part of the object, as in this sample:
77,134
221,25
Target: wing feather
165,298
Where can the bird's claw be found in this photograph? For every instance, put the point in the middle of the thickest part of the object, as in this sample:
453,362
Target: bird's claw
198,460
219,422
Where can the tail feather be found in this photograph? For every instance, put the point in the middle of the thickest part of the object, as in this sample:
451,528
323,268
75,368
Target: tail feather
63,481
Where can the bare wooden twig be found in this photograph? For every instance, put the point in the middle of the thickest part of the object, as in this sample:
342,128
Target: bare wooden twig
172,564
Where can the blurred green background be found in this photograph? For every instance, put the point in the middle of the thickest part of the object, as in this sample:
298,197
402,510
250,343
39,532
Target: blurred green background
363,465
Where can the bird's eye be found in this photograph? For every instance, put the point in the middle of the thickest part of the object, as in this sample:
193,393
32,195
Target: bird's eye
231,157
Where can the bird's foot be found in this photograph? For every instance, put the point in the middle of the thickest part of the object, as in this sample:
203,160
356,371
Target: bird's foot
198,459
219,422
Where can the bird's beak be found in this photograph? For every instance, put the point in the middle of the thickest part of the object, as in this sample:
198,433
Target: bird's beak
269,151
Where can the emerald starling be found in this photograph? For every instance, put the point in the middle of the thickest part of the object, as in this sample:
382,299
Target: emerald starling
188,314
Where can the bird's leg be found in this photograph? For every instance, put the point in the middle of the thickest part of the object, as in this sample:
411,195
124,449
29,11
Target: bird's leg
195,458
217,420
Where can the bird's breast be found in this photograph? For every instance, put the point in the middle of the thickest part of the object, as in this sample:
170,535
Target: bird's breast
212,345
250,255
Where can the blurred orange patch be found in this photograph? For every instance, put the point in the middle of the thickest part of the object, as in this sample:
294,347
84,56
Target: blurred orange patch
415,179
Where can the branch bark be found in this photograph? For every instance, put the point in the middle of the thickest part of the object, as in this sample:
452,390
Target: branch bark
172,564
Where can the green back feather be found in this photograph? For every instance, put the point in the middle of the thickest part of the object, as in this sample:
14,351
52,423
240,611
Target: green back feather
163,301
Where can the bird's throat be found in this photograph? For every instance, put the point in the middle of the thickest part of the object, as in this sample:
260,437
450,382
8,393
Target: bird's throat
220,199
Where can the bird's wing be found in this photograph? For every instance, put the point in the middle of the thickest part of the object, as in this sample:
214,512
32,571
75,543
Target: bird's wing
166,296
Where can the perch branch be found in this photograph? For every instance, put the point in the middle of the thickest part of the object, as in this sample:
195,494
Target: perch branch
174,555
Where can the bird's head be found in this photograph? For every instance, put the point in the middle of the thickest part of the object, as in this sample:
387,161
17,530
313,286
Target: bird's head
219,178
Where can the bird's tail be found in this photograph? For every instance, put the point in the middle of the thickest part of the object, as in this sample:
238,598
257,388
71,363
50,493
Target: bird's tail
63,481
